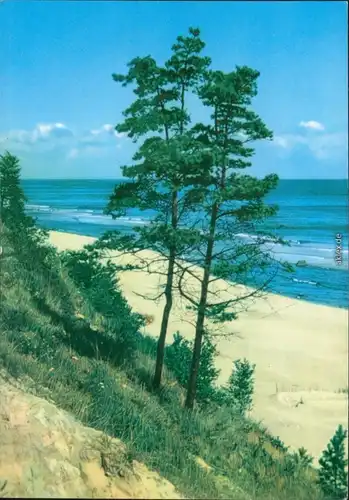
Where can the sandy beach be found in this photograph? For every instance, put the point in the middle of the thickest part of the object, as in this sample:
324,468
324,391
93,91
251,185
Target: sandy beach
300,350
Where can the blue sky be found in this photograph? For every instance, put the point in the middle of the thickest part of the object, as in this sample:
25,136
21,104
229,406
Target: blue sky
59,103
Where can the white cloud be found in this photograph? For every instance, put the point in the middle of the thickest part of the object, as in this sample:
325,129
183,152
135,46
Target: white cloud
329,145
312,125
48,130
281,141
324,146
41,132
321,146
99,138
107,128
48,136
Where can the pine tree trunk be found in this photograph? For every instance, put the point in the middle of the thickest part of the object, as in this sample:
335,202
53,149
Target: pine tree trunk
164,323
199,330
160,355
195,364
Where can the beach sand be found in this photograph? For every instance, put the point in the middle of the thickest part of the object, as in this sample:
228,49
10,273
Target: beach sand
300,350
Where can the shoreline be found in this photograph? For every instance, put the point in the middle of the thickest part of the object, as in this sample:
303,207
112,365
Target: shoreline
90,239
300,351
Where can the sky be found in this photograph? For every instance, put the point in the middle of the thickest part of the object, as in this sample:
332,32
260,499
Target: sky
59,104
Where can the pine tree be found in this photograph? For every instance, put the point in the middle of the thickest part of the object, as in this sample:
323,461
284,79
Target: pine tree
168,161
27,240
233,204
333,476
241,385
12,198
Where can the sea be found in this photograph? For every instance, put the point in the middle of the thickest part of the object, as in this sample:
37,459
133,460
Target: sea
312,216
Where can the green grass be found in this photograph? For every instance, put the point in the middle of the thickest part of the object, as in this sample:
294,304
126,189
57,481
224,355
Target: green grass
75,362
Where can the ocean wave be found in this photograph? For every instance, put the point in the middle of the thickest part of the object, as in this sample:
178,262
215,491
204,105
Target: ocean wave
305,281
105,220
87,210
340,225
39,208
85,216
254,237
307,247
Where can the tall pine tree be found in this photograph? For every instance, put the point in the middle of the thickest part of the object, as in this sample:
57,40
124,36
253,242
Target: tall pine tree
233,204
169,161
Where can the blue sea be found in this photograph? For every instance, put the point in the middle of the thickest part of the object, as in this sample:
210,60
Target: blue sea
311,214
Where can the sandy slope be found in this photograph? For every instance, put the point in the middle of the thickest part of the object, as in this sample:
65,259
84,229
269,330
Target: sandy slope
46,453
300,350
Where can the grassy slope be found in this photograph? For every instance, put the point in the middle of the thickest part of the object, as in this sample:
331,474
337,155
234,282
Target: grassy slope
58,344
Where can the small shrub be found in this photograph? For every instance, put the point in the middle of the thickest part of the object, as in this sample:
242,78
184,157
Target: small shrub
178,358
98,285
241,385
238,393
303,457
333,476
294,464
277,443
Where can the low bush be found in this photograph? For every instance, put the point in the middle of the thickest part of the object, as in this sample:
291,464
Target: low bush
178,358
98,285
333,475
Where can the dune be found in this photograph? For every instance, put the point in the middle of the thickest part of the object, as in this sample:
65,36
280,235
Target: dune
300,349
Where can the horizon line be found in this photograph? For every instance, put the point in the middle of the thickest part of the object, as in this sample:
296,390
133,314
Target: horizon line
125,178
